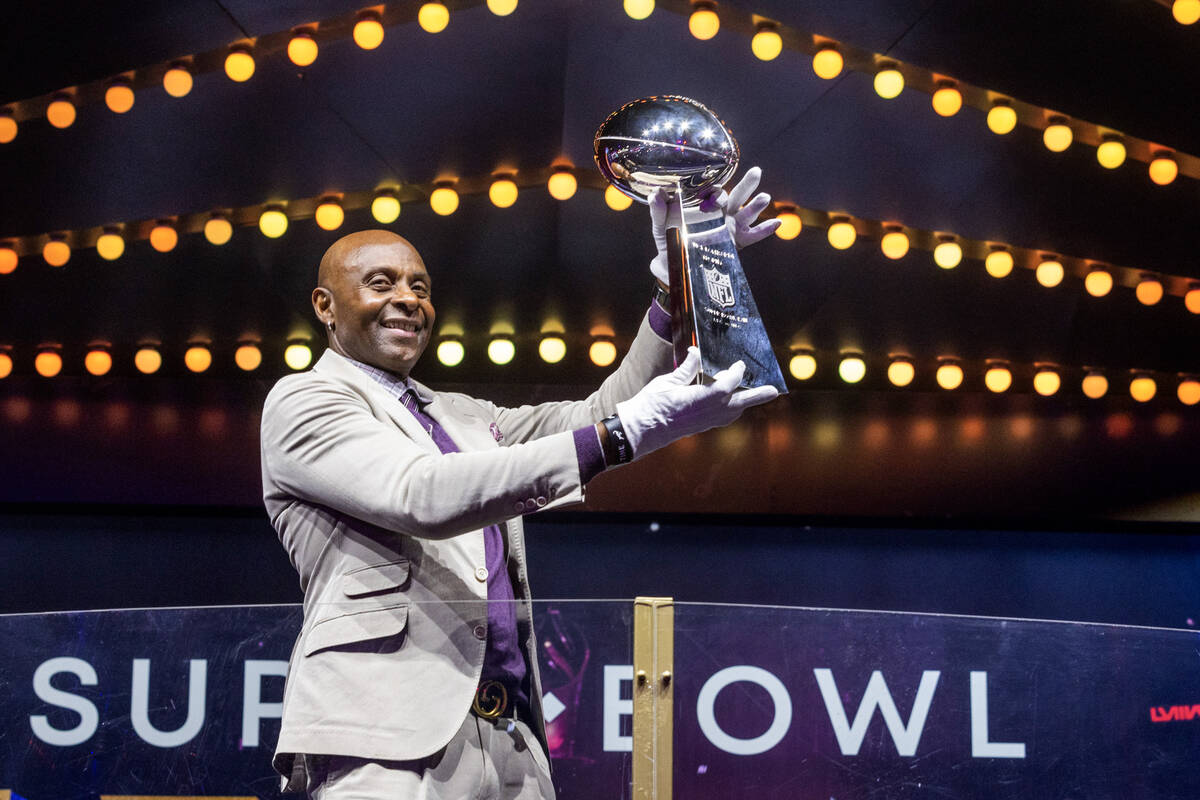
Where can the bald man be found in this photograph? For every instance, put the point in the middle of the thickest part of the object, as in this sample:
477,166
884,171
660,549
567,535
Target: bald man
415,672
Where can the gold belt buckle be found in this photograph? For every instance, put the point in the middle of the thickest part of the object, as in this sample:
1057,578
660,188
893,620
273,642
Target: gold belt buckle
491,699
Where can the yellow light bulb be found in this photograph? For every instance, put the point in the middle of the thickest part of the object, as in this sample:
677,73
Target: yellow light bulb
273,223
947,101
385,208
790,225
639,9
302,49
177,81
1046,382
827,63
562,185
98,362
1001,119
368,32
56,252
239,65
501,350
997,379
1189,392
552,349
1163,169
1094,385
948,255
503,192
842,235
8,260
502,8
704,23
1149,291
889,83
110,246
1098,282
894,244
901,372
60,113
450,352
218,230
615,199
147,360
602,352
1186,12
1050,273
1057,137
8,127
1191,300
999,263
766,44
433,17
1143,388
1111,153
248,357
6,365
329,215
48,363
163,237
802,366
119,98
297,356
852,369
197,358
949,376
443,201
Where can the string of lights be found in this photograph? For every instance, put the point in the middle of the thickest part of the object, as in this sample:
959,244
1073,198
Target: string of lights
768,39
830,58
995,376
853,368
562,181
301,45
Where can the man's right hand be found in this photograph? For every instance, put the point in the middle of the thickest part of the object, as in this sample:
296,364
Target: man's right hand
671,407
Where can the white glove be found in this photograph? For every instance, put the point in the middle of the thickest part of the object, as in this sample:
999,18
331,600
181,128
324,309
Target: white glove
739,217
671,407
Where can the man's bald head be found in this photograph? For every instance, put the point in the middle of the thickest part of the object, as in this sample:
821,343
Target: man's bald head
374,298
335,260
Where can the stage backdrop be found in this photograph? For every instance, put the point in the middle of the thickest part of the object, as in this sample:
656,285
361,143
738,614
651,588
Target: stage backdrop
770,702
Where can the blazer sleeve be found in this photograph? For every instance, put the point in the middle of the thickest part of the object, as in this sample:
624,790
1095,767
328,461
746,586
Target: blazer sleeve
322,444
649,355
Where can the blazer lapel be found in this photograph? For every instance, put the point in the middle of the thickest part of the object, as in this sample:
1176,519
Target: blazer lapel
338,367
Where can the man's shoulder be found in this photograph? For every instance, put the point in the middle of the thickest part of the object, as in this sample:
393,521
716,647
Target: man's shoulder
325,379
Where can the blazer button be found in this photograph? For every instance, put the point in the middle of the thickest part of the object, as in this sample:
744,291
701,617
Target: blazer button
530,504
480,631
541,501
518,507
481,574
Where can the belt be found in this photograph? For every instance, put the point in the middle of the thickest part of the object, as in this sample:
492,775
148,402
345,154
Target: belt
493,701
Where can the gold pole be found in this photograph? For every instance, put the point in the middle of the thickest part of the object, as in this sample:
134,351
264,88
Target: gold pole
653,693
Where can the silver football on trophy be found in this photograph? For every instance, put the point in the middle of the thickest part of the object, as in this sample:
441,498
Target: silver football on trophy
668,142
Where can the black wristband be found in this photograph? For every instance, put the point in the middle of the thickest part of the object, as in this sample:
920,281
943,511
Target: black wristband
661,296
617,450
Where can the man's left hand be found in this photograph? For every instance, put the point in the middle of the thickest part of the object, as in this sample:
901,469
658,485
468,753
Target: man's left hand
738,213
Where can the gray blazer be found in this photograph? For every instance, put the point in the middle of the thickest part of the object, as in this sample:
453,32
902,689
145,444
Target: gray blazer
386,533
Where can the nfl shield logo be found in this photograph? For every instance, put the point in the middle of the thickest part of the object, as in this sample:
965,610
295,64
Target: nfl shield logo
720,289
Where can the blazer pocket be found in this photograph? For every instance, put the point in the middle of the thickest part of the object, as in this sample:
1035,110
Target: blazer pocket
357,626
375,578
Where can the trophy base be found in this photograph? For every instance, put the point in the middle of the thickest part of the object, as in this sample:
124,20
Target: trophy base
712,307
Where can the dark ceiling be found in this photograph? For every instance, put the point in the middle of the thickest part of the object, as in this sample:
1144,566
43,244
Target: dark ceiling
523,91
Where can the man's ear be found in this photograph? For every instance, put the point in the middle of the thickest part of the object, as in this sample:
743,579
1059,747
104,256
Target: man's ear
322,303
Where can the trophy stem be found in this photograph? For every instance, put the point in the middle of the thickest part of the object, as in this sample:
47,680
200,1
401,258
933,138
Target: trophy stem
683,311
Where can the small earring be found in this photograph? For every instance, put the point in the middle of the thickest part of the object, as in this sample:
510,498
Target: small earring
330,326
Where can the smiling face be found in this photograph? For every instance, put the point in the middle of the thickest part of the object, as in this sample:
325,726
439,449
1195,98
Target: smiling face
375,290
